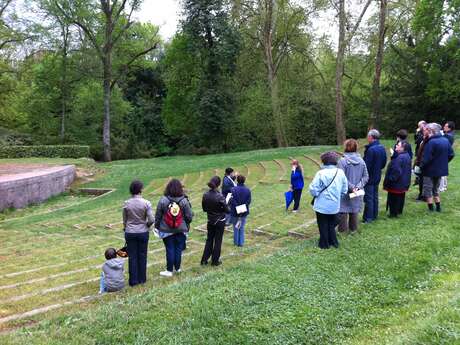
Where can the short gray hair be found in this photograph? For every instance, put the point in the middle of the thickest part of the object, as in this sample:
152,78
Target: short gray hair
374,134
434,128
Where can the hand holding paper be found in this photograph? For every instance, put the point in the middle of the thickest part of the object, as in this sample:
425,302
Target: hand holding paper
357,193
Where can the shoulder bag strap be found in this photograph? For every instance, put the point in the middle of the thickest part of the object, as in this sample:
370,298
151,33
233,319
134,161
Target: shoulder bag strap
329,182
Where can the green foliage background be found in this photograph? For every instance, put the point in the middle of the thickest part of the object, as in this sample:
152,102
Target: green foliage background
206,90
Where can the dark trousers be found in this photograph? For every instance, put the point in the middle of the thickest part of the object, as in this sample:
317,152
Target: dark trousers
371,202
213,242
396,203
348,221
297,195
174,245
137,260
326,225
420,187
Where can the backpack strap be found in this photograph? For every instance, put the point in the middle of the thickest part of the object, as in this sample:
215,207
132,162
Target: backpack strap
177,202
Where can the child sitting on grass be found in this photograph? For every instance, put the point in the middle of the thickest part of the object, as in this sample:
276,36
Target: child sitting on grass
112,275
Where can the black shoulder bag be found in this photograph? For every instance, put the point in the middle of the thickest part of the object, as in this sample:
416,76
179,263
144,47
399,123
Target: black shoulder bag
313,200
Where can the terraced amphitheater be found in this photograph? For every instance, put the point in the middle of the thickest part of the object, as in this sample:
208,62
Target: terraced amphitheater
278,288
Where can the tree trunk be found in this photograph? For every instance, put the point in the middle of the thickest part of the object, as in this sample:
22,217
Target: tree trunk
277,116
374,119
107,61
269,27
107,96
64,86
339,118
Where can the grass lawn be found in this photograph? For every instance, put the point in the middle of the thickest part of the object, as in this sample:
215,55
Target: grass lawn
396,282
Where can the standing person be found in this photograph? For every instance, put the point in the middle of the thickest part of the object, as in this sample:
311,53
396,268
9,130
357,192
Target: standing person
297,183
241,199
419,135
397,179
137,219
401,135
437,154
449,131
327,188
418,161
449,134
356,173
172,219
228,182
215,206
375,158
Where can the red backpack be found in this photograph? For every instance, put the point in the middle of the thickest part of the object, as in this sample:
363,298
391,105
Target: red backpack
173,216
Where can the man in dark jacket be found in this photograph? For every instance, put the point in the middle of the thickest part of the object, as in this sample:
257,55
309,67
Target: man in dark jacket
375,158
437,153
228,182
449,131
397,179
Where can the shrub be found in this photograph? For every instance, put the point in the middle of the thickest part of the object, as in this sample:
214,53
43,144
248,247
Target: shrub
48,151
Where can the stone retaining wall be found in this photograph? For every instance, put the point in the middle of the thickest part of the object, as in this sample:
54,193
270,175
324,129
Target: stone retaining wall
20,190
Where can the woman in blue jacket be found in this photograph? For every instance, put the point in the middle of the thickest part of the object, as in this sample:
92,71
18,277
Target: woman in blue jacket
297,183
327,188
397,179
241,199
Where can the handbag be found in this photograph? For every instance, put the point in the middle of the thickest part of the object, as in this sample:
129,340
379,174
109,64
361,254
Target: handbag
314,198
123,252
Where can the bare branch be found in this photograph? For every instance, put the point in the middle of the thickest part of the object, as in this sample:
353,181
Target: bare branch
131,61
5,5
358,22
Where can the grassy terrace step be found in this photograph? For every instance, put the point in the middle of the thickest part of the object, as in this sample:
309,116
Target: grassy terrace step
80,285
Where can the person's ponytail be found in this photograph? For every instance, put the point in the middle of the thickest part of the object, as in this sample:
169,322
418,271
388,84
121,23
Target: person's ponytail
214,182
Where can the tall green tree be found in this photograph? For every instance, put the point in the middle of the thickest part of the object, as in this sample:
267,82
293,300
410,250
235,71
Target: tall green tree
105,35
204,94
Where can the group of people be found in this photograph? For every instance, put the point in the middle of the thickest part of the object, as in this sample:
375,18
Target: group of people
171,222
344,184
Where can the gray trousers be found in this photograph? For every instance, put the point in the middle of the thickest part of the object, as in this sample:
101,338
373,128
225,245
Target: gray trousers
348,221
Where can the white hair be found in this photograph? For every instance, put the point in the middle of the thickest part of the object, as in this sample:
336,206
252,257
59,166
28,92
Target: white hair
374,134
434,128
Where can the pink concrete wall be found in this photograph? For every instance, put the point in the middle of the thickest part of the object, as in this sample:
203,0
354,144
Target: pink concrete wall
20,190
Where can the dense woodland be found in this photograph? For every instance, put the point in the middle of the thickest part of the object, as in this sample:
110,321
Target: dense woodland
237,75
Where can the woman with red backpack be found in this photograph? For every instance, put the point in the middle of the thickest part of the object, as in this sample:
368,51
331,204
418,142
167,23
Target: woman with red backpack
172,220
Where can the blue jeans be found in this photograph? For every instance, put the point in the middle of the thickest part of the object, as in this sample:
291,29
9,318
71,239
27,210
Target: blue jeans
228,218
137,257
174,245
102,287
238,234
371,202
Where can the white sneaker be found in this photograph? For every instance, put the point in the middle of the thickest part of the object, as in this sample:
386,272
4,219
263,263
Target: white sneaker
179,270
166,274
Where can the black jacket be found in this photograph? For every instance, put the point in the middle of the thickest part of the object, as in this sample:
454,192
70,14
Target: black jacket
215,206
